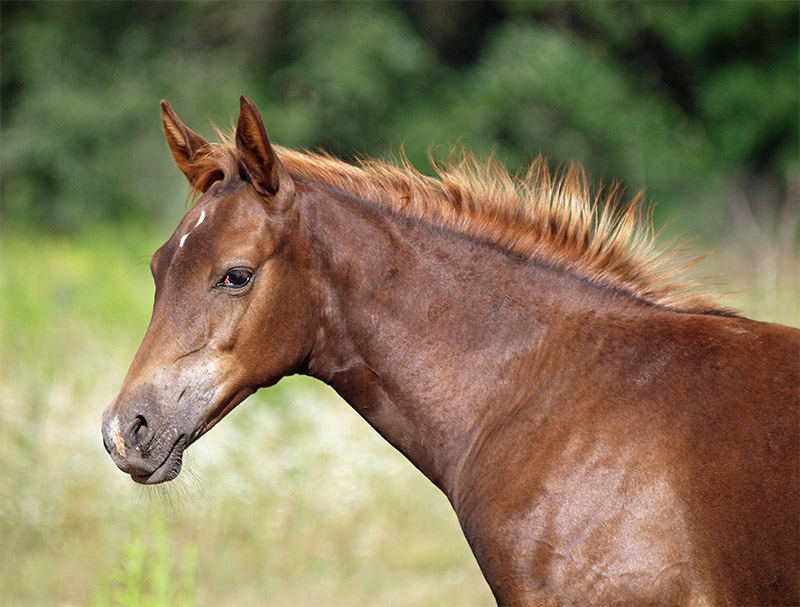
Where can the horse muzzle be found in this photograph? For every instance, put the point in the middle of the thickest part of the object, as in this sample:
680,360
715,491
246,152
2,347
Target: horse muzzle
139,449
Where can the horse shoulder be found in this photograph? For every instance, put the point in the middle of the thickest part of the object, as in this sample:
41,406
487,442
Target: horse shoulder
584,493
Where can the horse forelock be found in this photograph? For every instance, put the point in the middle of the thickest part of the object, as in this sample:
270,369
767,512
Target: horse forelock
555,218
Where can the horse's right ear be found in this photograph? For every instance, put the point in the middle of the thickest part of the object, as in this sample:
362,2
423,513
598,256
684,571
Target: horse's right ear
183,142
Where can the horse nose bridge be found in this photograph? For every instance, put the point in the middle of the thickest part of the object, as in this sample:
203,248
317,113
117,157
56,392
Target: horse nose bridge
145,384
149,362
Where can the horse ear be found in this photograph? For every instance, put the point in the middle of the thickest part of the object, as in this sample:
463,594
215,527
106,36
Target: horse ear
183,142
259,160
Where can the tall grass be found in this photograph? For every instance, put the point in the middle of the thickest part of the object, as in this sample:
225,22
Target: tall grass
292,500
150,573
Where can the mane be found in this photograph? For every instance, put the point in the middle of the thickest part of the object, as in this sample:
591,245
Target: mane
555,219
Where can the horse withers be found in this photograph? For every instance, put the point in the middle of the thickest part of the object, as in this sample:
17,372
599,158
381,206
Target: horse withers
604,435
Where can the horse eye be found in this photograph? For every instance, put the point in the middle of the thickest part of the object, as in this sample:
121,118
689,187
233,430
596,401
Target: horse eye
236,278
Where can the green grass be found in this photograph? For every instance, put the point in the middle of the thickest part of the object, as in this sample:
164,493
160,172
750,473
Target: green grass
292,500
150,572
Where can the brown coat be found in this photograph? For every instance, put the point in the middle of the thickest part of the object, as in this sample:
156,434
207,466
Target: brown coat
605,436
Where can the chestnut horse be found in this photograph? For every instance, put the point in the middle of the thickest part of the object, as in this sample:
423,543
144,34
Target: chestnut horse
605,435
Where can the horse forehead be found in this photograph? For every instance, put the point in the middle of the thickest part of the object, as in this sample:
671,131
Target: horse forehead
200,220
189,238
205,218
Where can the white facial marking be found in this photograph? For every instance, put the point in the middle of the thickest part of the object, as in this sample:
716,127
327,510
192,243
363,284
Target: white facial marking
199,221
116,436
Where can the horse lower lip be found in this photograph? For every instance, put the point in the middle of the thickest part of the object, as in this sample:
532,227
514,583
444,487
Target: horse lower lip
169,468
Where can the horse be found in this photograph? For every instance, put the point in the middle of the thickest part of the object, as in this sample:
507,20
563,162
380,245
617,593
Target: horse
605,434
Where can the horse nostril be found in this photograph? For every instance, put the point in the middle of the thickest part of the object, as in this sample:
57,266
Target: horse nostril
139,431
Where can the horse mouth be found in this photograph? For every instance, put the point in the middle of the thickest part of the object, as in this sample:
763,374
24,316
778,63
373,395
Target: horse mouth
172,463
169,468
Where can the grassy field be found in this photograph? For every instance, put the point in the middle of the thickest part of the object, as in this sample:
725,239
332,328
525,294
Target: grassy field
292,500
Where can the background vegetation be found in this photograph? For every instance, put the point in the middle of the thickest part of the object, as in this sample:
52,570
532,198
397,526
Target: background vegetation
293,500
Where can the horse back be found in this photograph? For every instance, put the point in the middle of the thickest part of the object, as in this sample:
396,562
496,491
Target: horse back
742,472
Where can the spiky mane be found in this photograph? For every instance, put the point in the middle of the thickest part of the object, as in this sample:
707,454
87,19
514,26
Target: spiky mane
555,219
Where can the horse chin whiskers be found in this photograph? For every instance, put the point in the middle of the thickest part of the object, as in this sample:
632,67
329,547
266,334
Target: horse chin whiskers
185,489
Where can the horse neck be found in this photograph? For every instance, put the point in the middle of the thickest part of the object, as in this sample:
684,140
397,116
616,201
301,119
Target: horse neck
426,333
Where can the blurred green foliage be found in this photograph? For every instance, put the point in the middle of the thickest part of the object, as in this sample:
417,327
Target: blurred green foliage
691,100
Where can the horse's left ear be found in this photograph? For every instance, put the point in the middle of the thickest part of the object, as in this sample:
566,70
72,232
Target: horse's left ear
184,144
256,154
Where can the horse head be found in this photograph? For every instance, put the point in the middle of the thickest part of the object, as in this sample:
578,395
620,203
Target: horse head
230,313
